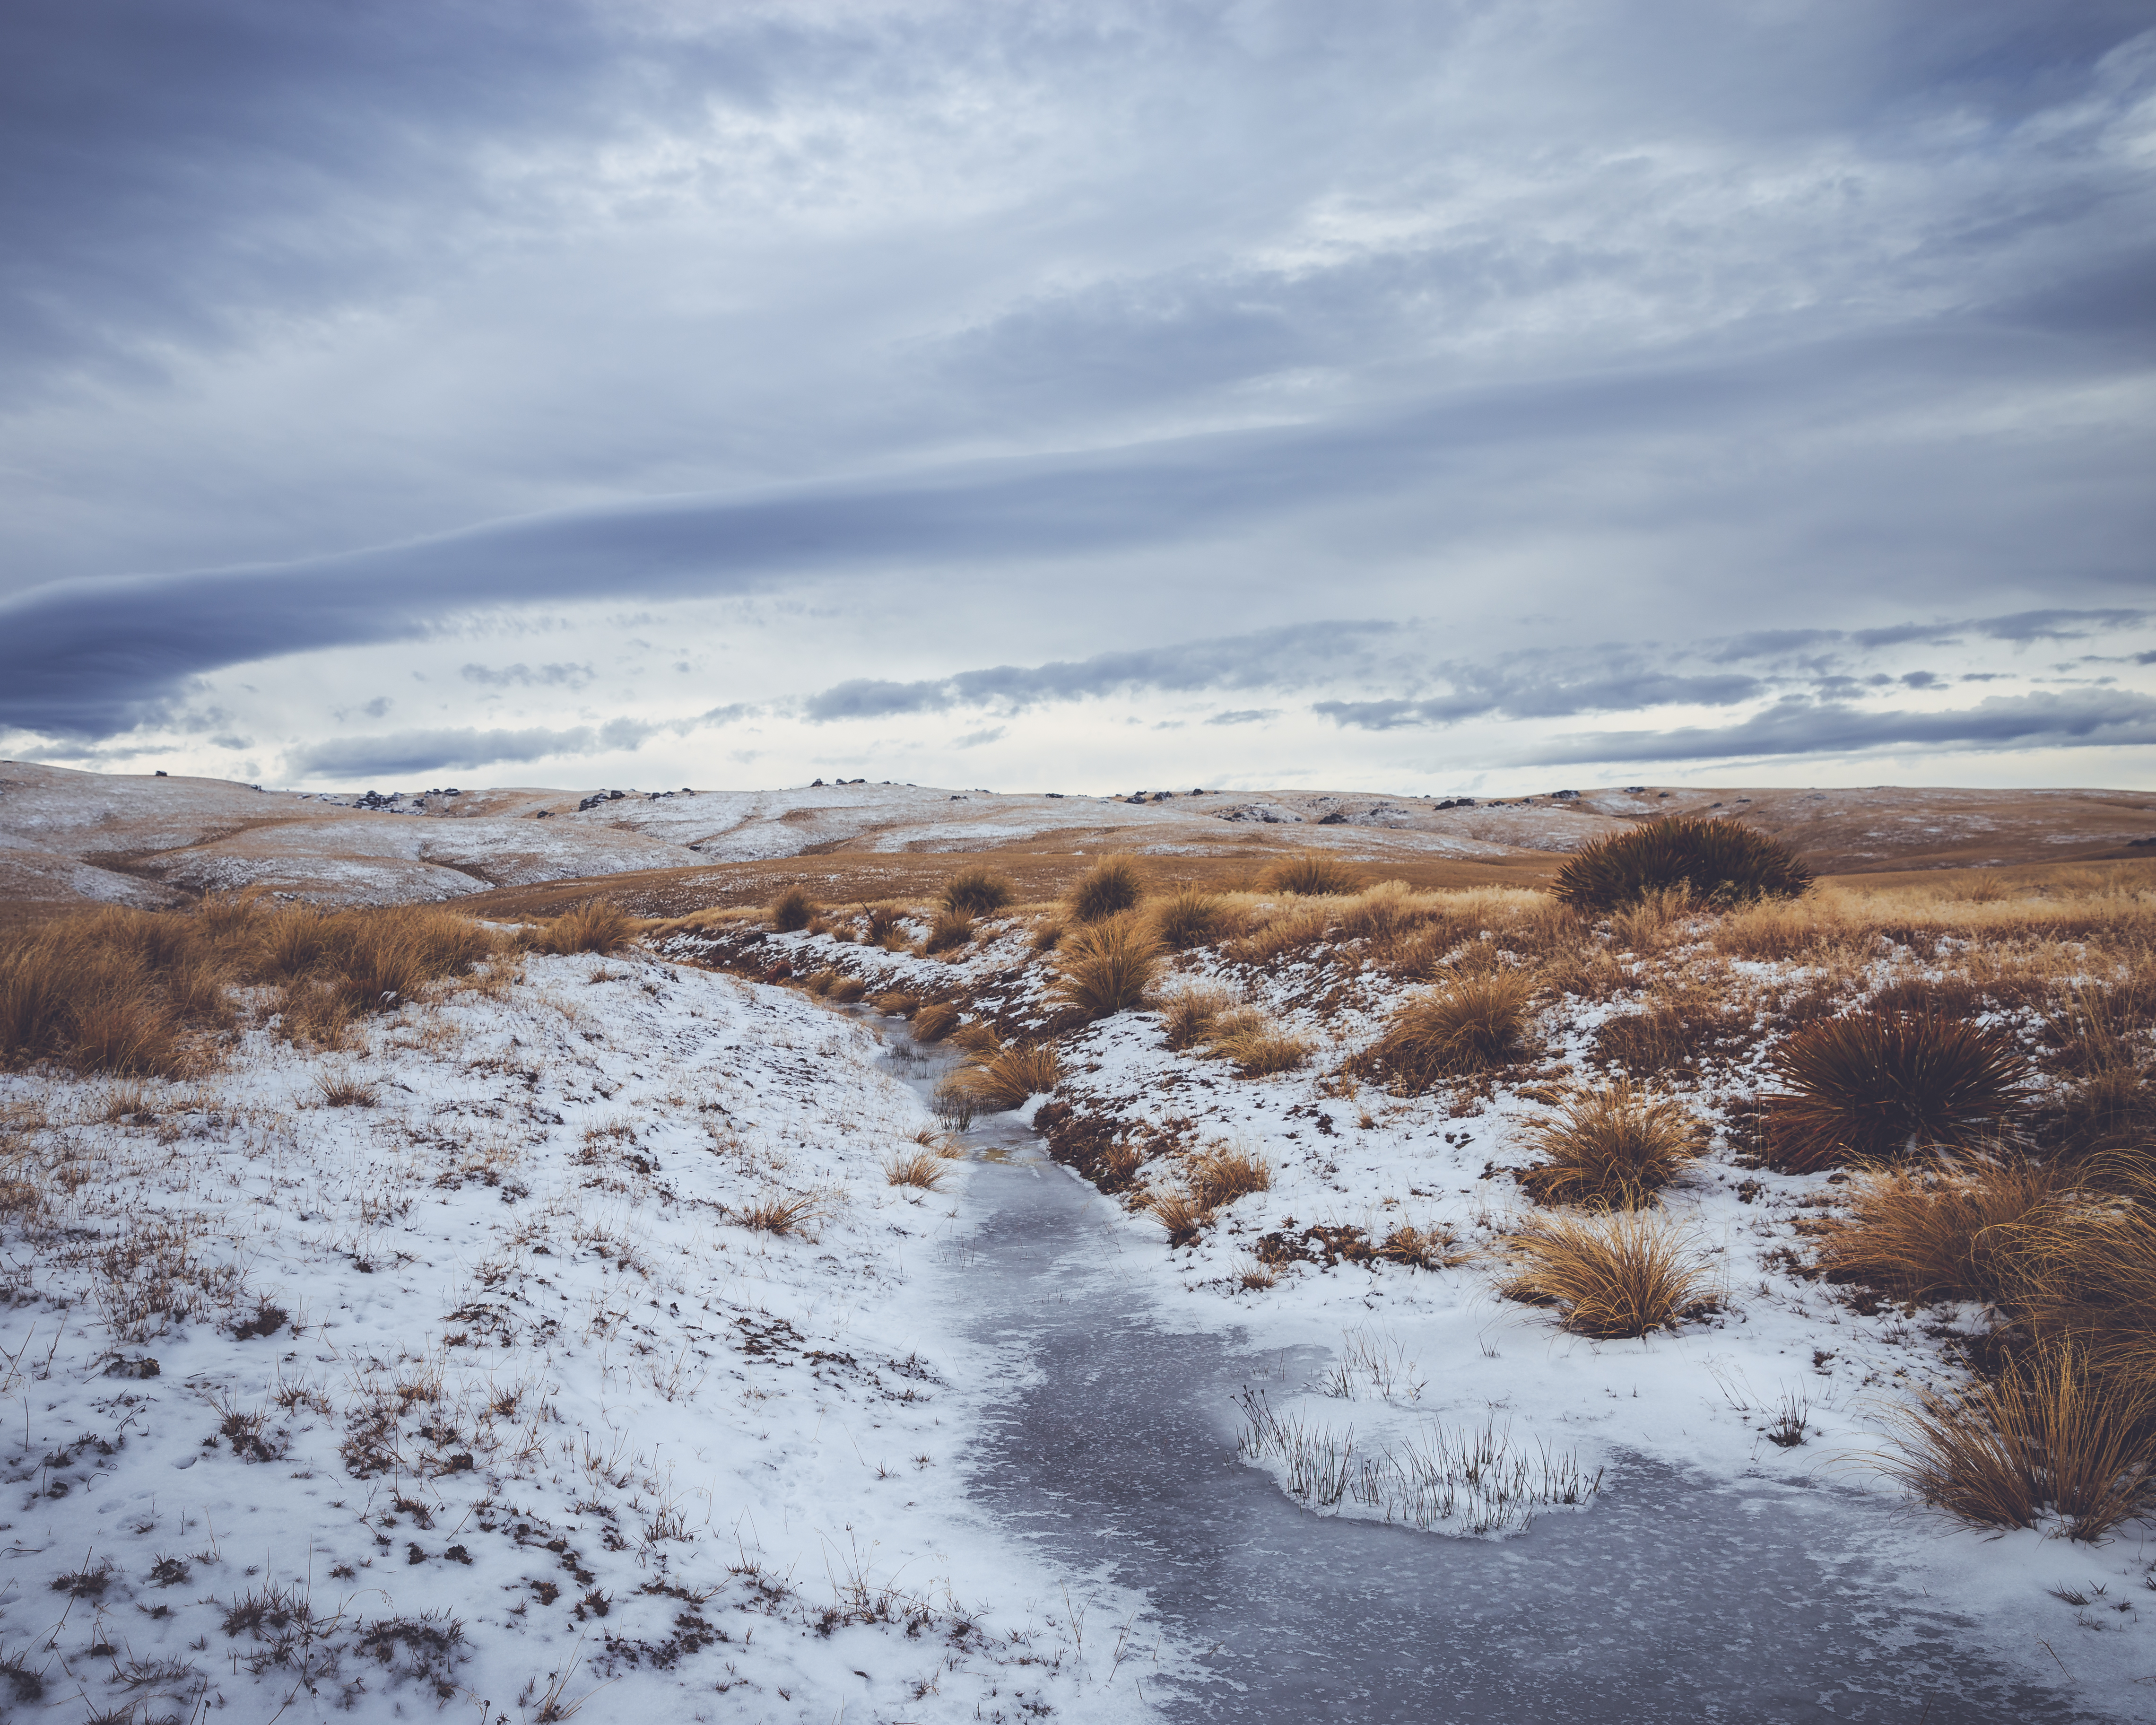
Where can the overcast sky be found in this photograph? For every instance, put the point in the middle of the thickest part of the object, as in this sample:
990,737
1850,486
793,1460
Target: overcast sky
1420,398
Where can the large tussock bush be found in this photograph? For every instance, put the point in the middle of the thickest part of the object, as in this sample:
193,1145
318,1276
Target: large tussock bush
1106,967
1468,1026
977,891
1871,1085
1717,862
1109,888
1312,876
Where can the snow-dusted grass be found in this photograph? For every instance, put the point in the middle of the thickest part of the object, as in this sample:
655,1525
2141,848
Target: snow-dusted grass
1393,1204
563,1344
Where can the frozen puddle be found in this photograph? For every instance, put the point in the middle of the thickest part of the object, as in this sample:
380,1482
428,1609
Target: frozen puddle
1668,1600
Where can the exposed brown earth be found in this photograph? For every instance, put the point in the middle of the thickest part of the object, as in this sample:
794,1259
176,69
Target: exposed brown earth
69,838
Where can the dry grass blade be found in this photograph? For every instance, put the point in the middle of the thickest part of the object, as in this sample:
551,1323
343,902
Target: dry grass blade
921,1169
1620,1273
1612,1149
1109,888
1107,968
1468,1026
1871,1085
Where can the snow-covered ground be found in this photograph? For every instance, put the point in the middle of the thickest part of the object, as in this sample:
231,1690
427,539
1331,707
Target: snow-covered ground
1421,1361
446,1373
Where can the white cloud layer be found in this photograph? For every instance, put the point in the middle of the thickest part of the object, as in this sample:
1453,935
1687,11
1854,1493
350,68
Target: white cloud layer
1391,395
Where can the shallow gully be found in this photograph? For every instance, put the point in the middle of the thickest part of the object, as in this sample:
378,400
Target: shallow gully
1674,1598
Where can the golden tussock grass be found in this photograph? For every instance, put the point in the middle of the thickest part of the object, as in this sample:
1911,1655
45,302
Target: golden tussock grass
978,1039
598,925
136,991
1106,967
1255,1046
1183,1213
845,990
1465,1027
2048,1433
1612,1149
1189,1013
935,1021
977,891
1008,1075
894,1004
1614,1273
1936,1235
1221,1173
886,927
922,1169
1312,874
1109,888
792,911
951,929
2087,1273
820,984
1189,918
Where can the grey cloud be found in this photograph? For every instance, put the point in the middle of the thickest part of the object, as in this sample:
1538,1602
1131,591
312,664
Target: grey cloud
420,751
549,676
1798,726
1245,716
1509,691
1277,658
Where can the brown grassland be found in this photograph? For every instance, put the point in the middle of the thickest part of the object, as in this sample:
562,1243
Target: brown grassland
1963,1060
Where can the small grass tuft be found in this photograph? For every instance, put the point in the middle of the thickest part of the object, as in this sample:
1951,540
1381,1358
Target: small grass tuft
950,929
1620,1273
920,1168
1612,1149
1312,874
1109,888
1467,1026
780,1215
1720,863
1873,1084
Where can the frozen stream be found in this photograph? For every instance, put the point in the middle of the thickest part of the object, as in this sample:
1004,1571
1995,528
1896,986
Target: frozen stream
1671,1599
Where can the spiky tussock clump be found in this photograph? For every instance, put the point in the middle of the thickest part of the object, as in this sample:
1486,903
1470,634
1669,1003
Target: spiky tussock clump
1619,1273
598,925
1933,1234
792,911
1717,862
819,984
1109,888
887,927
1183,1213
1106,967
1010,1075
780,1215
894,1004
1466,1027
922,1169
1612,1149
977,891
951,928
1188,917
2048,1433
2088,1273
1312,876
845,990
1873,1084
935,1021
